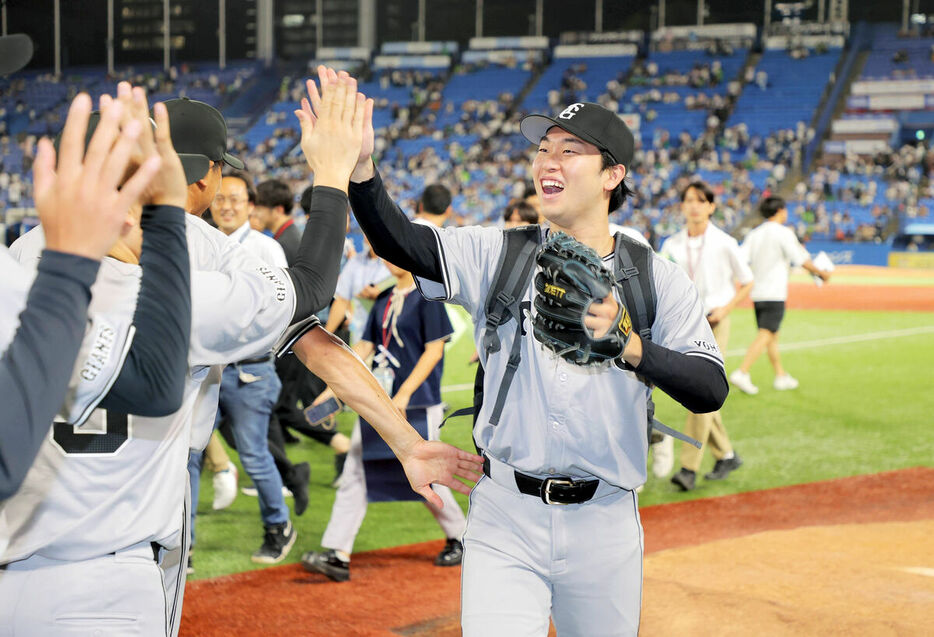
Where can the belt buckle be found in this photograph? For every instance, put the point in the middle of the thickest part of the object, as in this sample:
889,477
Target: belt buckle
546,489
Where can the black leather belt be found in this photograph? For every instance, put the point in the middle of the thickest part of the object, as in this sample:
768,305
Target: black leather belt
552,490
250,361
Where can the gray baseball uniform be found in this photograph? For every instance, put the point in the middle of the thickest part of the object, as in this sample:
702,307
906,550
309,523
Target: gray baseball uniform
522,556
107,490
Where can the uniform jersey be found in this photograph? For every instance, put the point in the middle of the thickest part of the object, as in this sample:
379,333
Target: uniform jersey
545,428
14,289
713,262
112,481
771,249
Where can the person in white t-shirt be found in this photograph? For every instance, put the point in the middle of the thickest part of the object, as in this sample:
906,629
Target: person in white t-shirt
771,249
714,263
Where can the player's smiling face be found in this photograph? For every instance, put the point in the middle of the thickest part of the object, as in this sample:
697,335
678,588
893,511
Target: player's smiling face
231,206
569,177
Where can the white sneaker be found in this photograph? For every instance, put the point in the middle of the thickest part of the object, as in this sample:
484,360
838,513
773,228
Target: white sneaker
785,381
225,487
663,457
252,492
743,382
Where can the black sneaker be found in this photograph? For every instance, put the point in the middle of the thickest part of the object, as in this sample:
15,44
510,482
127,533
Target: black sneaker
277,543
298,485
451,555
722,468
684,479
189,570
327,563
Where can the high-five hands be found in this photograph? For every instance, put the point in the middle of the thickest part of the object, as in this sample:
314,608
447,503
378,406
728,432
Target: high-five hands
82,204
333,125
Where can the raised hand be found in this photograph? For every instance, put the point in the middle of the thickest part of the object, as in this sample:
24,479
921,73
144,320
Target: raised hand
80,207
169,187
328,77
431,462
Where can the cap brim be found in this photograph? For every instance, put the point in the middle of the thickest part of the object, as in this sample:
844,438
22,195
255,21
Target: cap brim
195,166
15,52
230,160
534,127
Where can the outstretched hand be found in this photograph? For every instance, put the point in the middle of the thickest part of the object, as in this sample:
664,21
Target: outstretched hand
431,462
169,187
82,205
333,128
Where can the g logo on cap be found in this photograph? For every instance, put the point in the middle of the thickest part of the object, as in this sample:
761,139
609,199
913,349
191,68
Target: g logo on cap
570,111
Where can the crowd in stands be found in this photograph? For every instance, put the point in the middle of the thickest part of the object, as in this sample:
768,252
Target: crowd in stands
856,197
473,146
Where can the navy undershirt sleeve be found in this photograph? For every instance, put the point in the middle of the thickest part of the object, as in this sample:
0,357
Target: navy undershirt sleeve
36,368
152,380
410,246
697,383
315,271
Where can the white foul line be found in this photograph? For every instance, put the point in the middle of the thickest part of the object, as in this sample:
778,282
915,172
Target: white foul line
841,340
787,347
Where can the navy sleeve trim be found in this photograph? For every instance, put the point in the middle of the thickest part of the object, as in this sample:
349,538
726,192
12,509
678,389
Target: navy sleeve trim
697,382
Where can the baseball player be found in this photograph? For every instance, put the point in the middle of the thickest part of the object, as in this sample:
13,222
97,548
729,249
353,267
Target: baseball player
553,527
45,311
405,336
771,249
114,515
713,262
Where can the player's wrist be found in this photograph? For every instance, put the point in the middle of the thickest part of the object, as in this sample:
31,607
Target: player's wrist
365,170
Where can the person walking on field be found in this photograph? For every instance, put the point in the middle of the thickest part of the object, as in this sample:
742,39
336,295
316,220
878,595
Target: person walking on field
405,335
771,249
714,263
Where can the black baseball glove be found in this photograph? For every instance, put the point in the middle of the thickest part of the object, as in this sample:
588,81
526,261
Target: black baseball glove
572,277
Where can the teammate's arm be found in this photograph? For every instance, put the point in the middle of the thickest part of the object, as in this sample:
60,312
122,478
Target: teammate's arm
35,369
152,380
424,462
83,213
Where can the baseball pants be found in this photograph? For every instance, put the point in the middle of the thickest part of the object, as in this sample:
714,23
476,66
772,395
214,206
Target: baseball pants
351,502
118,594
708,428
524,560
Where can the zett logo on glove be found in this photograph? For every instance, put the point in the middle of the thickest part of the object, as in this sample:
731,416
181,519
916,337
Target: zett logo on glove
555,291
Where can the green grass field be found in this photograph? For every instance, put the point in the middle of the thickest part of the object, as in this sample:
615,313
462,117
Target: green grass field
863,406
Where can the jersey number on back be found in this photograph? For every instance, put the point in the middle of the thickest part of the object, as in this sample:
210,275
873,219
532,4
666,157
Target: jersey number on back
108,437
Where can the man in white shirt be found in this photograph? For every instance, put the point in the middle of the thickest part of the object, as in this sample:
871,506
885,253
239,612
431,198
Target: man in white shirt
250,387
771,249
712,260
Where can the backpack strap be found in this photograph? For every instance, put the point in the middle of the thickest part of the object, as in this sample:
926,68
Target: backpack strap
633,259
504,303
633,271
510,281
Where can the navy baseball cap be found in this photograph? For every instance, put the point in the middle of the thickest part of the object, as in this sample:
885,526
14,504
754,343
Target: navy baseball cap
199,129
195,166
592,123
15,52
